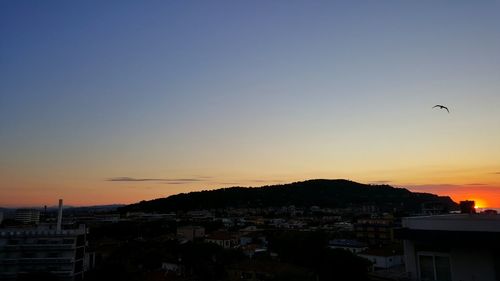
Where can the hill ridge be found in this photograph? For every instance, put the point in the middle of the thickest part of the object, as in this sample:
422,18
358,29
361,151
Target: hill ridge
334,193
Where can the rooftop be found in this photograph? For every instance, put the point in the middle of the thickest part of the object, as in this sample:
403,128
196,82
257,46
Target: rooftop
347,243
455,222
221,235
384,251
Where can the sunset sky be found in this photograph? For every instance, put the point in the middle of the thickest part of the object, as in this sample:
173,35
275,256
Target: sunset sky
120,101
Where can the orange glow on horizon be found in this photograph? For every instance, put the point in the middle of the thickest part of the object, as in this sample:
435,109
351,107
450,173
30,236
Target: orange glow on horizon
479,204
484,196
106,192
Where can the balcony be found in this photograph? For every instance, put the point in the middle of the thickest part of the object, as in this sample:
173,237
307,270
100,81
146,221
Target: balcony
21,261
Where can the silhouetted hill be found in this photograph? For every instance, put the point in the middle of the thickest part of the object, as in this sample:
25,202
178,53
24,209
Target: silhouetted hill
322,193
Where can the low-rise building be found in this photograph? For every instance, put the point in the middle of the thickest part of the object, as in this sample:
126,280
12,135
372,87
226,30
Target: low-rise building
200,215
352,246
434,208
385,257
455,247
190,232
258,270
375,230
223,238
172,267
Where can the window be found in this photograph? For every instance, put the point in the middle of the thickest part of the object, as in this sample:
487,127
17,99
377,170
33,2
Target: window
426,267
260,276
80,240
78,266
434,267
79,253
442,265
246,275
28,255
54,255
68,241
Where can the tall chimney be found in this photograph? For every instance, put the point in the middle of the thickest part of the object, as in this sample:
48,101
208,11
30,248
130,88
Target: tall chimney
59,215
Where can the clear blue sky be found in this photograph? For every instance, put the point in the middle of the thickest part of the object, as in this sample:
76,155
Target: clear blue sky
244,92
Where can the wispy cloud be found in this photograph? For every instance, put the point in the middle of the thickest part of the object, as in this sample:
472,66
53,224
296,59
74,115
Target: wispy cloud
229,183
445,185
431,187
132,179
263,181
166,180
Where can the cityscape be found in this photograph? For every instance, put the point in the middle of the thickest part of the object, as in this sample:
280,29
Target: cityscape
399,236
249,140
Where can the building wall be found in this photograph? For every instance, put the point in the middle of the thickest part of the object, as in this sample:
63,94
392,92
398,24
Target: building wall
225,243
466,263
353,250
465,245
28,216
34,250
190,232
374,231
245,240
410,259
384,262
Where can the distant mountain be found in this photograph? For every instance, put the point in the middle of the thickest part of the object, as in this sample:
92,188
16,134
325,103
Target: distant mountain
99,208
96,208
320,192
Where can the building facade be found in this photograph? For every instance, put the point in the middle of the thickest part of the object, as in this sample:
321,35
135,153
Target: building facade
375,231
190,232
47,250
352,246
222,238
28,216
455,247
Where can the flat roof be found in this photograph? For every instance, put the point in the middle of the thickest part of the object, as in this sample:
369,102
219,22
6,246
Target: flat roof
455,222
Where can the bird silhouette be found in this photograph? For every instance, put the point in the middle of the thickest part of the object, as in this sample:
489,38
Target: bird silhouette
442,107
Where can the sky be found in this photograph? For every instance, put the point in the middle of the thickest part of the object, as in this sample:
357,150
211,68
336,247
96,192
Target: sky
121,101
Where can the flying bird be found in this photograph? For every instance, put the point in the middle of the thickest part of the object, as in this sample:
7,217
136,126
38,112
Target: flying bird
441,107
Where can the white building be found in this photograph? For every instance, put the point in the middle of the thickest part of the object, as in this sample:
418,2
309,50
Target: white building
383,260
456,247
43,250
352,246
190,232
222,238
